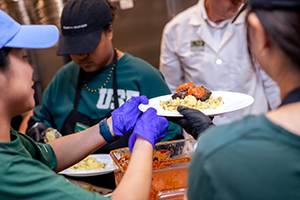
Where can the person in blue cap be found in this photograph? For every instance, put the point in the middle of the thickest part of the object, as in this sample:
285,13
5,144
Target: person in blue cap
28,169
257,157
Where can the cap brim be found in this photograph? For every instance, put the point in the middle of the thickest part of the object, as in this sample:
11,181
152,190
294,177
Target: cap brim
240,11
34,37
79,44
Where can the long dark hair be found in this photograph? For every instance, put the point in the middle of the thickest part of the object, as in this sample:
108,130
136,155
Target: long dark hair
4,59
113,9
282,28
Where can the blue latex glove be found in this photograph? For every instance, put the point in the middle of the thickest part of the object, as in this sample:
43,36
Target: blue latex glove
125,117
150,127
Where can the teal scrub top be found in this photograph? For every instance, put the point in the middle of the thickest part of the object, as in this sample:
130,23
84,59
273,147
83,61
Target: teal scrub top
26,172
252,159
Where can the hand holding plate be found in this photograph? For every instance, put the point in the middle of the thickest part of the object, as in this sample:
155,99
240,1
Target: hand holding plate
194,121
150,127
125,117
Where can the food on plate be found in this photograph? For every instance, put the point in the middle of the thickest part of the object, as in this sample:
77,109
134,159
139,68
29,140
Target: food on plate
191,96
182,90
89,163
186,89
51,134
90,187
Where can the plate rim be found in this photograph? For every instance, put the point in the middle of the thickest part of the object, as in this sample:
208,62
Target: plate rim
91,172
249,97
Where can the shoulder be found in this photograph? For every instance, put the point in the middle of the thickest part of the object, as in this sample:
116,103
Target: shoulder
219,138
184,16
139,65
182,19
68,74
68,69
140,75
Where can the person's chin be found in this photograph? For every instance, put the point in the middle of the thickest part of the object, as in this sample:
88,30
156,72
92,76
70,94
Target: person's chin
31,104
234,11
232,14
89,68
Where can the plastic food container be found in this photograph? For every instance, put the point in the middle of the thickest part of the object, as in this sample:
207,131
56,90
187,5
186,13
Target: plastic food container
170,164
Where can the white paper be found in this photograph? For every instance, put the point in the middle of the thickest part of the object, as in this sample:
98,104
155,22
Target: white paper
126,4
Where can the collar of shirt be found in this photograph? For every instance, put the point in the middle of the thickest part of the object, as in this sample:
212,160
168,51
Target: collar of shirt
211,23
217,26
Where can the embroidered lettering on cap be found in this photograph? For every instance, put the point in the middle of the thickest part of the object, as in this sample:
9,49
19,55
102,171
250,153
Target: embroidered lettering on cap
75,27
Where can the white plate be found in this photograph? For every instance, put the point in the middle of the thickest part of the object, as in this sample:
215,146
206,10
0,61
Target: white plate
232,101
105,158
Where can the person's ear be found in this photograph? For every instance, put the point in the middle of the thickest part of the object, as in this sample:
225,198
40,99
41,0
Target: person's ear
259,32
110,32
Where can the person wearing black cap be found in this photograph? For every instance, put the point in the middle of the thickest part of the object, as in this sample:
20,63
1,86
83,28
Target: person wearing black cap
200,45
99,78
28,169
257,157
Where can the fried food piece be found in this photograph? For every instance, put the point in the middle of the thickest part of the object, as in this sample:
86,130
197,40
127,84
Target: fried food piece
207,94
181,94
185,89
182,90
185,86
197,92
200,93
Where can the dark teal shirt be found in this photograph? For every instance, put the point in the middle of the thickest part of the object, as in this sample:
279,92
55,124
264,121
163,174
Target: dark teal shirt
26,172
253,159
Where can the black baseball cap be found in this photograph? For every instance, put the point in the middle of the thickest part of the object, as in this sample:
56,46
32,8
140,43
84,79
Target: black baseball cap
269,5
82,22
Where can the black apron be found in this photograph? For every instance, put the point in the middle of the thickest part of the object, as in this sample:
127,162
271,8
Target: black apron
76,117
105,180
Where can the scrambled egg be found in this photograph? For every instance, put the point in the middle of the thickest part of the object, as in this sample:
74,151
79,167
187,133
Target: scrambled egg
191,102
89,163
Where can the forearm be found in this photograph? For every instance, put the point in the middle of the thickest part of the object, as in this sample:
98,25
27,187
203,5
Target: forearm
72,148
136,183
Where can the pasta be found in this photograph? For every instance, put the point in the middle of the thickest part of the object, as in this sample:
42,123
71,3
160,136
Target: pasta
191,102
89,163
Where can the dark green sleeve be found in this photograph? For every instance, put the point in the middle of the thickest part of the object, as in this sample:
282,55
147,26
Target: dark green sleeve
41,152
173,130
153,84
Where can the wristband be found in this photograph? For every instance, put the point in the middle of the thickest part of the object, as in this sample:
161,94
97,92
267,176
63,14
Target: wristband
105,132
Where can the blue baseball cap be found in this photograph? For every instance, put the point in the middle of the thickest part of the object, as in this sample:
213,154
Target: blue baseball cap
15,35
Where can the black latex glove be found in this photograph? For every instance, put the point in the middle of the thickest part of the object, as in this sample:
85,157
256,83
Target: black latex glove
36,132
194,122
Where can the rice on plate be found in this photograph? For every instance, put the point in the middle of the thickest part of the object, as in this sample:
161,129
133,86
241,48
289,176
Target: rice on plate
191,102
191,96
